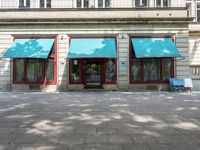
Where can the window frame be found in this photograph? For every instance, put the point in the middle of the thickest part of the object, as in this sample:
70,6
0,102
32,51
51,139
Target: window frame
52,56
132,57
81,60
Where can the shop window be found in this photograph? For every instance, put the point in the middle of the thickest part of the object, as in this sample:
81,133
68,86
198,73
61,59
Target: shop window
136,70
82,3
110,70
108,66
24,3
45,3
75,70
19,70
166,68
151,69
50,70
35,70
40,71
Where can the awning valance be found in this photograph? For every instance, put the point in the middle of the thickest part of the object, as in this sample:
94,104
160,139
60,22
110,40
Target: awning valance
154,47
30,48
92,48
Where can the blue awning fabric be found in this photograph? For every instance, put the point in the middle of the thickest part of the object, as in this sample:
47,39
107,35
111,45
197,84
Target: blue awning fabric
30,48
154,47
92,48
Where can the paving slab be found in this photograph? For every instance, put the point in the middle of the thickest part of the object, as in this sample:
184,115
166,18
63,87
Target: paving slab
99,121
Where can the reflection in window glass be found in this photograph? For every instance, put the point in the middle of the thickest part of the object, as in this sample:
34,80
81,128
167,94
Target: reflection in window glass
188,5
100,3
86,3
35,70
165,3
158,3
79,3
50,70
166,68
27,3
144,3
137,3
107,4
75,70
110,70
48,3
21,3
140,3
151,69
45,3
41,3
136,70
19,70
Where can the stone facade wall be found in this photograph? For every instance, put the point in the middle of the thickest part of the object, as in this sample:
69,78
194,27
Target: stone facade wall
194,42
71,3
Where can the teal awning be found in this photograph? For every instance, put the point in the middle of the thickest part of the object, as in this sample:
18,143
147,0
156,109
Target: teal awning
154,47
92,48
30,48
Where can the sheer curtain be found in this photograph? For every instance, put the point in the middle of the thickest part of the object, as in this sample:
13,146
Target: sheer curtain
35,70
151,69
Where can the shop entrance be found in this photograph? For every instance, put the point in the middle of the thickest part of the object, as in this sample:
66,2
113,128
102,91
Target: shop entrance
92,73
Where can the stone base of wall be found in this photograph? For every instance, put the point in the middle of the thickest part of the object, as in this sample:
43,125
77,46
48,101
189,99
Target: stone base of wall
196,84
75,87
32,87
110,87
107,87
148,87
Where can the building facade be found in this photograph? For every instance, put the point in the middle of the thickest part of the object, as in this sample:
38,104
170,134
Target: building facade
194,40
60,45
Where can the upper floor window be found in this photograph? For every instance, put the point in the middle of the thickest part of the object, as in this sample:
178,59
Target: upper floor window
45,3
198,11
104,4
141,3
24,3
188,5
162,3
82,3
